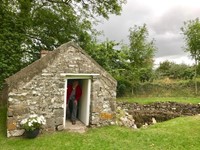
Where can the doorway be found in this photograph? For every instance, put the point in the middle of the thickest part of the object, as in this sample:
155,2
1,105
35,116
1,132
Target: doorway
83,113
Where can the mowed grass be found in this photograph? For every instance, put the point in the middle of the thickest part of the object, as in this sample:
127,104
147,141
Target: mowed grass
148,100
177,134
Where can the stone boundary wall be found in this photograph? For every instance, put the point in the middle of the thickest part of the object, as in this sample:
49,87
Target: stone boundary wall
160,111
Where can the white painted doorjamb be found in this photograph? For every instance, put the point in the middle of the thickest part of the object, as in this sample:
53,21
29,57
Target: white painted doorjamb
84,107
88,102
65,102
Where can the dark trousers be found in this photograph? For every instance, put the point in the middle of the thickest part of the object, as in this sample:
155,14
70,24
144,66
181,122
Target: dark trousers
72,110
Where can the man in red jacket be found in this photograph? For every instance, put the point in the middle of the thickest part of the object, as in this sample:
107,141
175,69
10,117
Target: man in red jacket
74,93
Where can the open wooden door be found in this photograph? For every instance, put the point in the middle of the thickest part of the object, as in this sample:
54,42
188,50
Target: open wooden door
84,103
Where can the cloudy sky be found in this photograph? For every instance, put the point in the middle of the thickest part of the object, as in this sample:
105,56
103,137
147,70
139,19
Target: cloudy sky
163,18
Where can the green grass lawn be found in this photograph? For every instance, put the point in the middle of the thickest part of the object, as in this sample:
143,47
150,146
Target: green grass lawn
177,134
147,100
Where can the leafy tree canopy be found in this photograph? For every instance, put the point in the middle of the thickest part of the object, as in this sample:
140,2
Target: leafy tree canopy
138,56
174,71
191,31
28,26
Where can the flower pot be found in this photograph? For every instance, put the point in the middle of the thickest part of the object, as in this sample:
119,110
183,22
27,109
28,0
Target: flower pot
32,134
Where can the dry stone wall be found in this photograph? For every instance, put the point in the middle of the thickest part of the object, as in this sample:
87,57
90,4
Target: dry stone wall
159,111
44,93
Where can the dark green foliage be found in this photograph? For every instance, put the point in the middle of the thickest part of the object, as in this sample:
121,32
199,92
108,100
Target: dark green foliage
191,31
174,71
141,50
29,26
109,58
3,118
130,64
198,70
11,39
123,87
106,55
176,89
138,56
146,74
163,69
135,60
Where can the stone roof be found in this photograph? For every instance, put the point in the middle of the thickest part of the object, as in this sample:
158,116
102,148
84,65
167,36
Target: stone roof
27,73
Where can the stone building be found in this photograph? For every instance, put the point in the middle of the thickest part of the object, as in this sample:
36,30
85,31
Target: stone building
40,88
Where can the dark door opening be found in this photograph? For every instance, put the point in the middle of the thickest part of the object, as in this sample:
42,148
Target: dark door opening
84,102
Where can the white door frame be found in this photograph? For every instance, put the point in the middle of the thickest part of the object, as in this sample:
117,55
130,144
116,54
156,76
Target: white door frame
84,107
78,76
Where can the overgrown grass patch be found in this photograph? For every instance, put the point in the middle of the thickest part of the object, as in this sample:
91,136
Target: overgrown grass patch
181,88
177,134
148,100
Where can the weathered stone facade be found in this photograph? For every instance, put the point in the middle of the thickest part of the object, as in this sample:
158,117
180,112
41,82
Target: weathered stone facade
40,89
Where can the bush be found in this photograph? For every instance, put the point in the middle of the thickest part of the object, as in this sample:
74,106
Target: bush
174,71
123,86
174,89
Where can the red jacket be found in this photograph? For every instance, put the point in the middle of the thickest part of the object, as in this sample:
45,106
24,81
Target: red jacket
77,94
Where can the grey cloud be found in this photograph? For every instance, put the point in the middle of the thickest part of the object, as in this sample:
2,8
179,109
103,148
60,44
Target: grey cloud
117,27
171,22
165,29
169,47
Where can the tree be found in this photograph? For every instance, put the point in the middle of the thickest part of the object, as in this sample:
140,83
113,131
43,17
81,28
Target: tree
28,26
164,69
12,36
191,32
136,59
138,56
174,71
106,55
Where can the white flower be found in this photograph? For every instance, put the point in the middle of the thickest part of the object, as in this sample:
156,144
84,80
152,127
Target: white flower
41,120
44,122
32,122
23,121
33,116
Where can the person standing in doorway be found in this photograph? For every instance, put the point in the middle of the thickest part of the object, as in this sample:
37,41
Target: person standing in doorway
74,93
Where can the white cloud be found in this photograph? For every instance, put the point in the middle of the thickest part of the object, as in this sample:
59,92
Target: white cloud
175,58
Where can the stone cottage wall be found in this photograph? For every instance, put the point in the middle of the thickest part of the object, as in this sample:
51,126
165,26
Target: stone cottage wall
44,93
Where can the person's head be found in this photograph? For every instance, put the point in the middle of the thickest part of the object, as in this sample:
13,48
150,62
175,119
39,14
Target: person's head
75,83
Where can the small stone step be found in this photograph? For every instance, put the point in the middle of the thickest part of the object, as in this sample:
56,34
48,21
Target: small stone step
78,127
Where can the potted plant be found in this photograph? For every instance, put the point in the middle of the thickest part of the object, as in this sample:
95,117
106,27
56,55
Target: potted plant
32,125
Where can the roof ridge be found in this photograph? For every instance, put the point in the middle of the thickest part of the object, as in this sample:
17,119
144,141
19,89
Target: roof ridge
28,72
